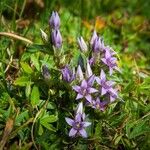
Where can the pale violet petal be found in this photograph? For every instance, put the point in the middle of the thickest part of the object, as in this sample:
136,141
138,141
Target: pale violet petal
69,121
83,133
79,96
76,88
92,90
86,124
103,91
88,98
72,132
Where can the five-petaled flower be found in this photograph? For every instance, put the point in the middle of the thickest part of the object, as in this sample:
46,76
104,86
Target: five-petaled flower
105,85
100,105
84,90
78,125
110,61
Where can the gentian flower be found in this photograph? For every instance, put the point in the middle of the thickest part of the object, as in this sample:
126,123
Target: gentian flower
84,91
56,38
105,85
67,74
54,21
82,45
97,104
110,61
78,125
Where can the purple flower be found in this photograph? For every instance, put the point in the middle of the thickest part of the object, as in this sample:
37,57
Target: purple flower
56,38
84,90
82,45
105,85
54,21
67,74
93,38
97,104
110,61
78,126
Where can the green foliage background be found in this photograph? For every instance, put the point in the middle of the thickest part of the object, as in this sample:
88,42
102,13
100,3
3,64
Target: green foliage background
28,103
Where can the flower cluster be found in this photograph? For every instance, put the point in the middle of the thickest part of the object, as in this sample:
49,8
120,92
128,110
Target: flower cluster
93,90
54,22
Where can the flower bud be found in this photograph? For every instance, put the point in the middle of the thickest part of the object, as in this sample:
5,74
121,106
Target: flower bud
79,73
67,74
94,36
44,36
96,47
56,38
88,70
82,45
45,72
54,21
79,108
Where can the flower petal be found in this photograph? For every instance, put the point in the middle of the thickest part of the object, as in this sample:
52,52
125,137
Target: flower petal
103,91
104,61
80,108
79,96
102,75
92,90
88,70
91,80
69,121
88,98
84,84
79,73
72,132
110,71
98,80
76,88
78,117
86,124
83,133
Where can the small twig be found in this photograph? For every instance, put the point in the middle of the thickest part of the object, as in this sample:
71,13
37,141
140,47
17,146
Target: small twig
16,131
12,35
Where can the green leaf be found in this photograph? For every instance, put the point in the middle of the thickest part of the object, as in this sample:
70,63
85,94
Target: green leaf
22,81
47,125
43,48
49,118
21,117
35,96
35,61
26,68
